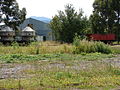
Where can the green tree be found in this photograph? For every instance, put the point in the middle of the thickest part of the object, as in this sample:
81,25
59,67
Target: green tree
116,8
10,13
68,23
105,17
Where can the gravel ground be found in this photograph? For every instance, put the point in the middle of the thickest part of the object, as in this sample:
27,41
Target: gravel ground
16,70
13,70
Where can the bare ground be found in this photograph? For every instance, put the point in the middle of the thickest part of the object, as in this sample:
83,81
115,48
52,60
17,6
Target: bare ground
14,70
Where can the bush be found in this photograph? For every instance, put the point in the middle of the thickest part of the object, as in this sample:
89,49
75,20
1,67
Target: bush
103,48
15,45
91,47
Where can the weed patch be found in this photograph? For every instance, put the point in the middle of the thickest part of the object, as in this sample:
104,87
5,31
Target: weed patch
84,46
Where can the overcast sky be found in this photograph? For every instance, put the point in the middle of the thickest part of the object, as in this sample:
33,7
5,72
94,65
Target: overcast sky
48,8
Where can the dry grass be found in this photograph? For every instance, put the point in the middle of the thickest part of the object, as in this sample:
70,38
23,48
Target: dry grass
37,48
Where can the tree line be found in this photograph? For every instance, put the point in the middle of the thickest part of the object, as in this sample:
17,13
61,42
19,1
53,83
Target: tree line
68,23
10,13
104,19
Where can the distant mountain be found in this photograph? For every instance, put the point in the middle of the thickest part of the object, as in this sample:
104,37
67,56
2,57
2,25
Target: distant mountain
43,19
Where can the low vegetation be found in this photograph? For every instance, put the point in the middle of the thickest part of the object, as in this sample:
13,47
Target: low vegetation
79,46
36,48
52,66
59,71
91,47
116,49
19,58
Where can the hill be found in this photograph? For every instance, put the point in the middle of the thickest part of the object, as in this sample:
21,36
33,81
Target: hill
43,19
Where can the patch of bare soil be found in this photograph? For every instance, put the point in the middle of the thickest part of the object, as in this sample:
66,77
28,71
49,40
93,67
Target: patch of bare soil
115,61
13,70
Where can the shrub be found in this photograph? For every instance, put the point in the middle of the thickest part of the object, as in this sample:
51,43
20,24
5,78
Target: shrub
103,48
91,47
15,45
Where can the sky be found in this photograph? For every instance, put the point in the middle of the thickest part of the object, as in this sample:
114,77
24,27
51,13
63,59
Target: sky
48,8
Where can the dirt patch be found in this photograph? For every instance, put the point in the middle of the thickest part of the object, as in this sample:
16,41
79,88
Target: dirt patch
16,70
13,70
115,61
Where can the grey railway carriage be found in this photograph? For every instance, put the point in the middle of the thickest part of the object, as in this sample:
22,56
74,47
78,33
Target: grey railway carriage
28,34
7,34
30,30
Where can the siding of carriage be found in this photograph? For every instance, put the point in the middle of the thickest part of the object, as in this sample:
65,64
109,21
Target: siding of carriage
102,37
6,34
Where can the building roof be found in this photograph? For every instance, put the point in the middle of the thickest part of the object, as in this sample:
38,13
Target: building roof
6,28
2,23
28,29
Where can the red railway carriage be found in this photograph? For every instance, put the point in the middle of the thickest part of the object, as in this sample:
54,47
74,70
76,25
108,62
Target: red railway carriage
102,37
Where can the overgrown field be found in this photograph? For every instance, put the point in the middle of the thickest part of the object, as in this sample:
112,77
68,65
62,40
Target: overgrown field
77,47
53,66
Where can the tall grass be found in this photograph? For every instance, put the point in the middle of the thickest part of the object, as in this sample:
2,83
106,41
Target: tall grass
37,48
51,47
91,47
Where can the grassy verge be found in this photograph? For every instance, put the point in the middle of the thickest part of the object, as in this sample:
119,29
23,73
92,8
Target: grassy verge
53,75
116,49
61,71
53,66
77,47
37,48
14,58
